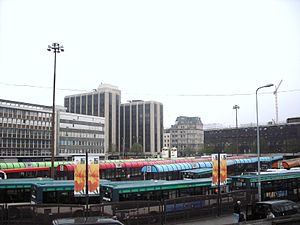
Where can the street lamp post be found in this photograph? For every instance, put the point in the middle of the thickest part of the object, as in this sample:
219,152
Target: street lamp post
56,49
236,107
258,147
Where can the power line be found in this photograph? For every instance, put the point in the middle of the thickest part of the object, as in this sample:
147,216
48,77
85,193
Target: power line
38,86
174,95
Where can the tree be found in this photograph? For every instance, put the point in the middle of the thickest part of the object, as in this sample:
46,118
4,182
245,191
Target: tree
137,149
208,150
112,148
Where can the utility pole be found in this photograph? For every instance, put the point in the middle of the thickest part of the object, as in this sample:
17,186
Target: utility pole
236,107
56,49
276,101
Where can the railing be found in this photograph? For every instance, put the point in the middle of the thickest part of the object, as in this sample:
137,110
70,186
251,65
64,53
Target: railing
130,212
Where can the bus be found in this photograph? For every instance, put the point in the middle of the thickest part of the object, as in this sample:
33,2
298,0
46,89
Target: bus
274,185
18,190
157,189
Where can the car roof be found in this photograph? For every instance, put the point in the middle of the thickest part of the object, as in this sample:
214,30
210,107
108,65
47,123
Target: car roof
273,202
83,220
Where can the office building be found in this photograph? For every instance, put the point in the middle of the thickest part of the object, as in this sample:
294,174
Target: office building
187,135
167,138
77,134
274,138
25,130
141,122
102,102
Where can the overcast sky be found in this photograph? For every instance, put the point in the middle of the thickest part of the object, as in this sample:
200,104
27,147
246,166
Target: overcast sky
198,58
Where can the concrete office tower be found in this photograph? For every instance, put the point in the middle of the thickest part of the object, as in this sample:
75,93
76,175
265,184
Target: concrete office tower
141,122
78,134
25,130
187,135
104,102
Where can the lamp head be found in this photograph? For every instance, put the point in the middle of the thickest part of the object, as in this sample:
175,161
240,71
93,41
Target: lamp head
268,85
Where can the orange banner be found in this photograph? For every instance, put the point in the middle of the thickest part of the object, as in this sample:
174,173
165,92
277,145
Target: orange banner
223,169
80,176
214,180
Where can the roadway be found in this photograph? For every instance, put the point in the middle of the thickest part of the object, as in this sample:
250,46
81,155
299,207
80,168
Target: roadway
221,220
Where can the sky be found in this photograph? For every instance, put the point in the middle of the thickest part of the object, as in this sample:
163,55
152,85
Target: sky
198,58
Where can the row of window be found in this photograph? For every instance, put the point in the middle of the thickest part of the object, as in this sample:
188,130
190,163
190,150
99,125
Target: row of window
187,136
16,143
81,143
5,120
22,152
80,151
23,136
24,113
80,135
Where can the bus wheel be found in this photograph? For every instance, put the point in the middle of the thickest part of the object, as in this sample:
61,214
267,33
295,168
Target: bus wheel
13,213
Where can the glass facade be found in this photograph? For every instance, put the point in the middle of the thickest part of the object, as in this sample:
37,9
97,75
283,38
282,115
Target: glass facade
147,128
90,105
83,105
117,118
67,102
102,102
142,123
77,109
127,127
72,105
96,113
134,134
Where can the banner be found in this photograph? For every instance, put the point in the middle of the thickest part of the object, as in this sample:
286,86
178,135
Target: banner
80,176
214,178
223,169
165,152
173,153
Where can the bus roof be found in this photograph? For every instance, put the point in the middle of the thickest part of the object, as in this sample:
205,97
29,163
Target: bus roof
153,185
21,183
267,176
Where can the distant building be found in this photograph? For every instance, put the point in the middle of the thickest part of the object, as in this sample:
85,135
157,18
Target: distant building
274,138
25,130
78,134
187,135
103,102
167,138
142,122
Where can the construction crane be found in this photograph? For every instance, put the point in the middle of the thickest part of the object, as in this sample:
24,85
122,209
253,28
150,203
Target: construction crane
276,101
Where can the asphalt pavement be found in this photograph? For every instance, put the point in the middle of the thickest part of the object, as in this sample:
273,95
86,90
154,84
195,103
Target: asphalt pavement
221,220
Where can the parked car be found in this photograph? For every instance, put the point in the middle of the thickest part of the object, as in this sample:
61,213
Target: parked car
87,221
278,208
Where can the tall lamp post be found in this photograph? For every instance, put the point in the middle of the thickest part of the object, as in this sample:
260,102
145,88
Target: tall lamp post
56,49
258,147
236,107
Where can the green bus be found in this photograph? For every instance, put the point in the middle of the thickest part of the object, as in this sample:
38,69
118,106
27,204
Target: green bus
157,189
281,185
